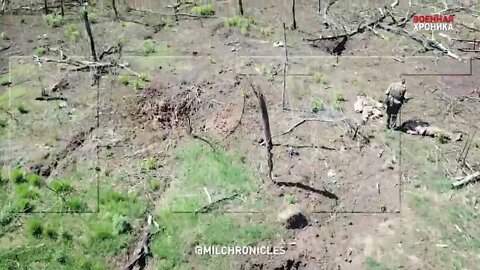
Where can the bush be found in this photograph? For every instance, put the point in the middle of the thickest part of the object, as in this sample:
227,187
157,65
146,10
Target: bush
148,164
24,205
34,179
204,10
154,184
16,175
61,186
3,123
148,47
141,82
441,138
35,227
40,51
54,20
123,79
317,105
72,33
27,192
51,232
22,109
76,204
240,22
168,21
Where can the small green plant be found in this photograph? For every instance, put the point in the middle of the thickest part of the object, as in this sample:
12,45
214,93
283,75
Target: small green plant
317,105
76,204
22,109
148,47
40,51
441,138
3,123
35,227
290,198
121,225
148,164
4,36
34,179
16,175
319,78
51,232
431,157
24,205
72,33
203,10
154,184
61,186
338,100
123,79
27,192
54,20
141,82
241,23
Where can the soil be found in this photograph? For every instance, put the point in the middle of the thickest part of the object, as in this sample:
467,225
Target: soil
350,190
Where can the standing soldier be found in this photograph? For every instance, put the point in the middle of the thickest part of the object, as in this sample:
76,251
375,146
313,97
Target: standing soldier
394,101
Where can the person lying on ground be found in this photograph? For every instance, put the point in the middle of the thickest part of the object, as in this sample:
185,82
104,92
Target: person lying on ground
419,127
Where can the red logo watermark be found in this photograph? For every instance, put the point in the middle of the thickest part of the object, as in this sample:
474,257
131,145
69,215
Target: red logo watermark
433,22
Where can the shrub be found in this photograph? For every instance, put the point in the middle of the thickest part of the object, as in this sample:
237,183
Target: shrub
203,10
441,138
240,22
22,109
317,105
140,82
34,179
24,205
61,186
72,33
148,47
51,232
54,20
40,51
148,164
27,192
16,175
154,184
35,227
123,79
76,204
290,199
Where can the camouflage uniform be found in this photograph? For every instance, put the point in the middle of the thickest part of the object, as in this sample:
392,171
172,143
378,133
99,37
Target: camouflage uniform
395,99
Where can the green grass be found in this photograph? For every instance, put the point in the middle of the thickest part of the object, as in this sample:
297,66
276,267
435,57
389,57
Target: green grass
168,21
203,10
148,47
73,241
221,174
40,51
54,20
320,78
22,109
317,105
242,23
123,79
290,198
148,164
141,82
72,33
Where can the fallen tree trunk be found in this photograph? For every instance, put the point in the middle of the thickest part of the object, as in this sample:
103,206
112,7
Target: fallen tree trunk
266,127
468,179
